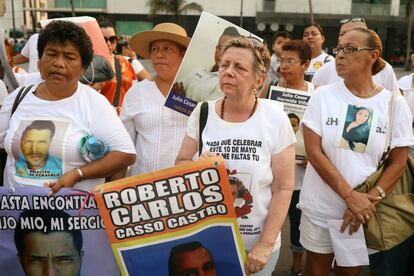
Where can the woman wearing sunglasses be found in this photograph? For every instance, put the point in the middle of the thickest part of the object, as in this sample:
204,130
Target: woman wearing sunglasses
335,168
114,90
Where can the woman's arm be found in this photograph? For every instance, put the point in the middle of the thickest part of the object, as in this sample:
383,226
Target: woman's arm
283,170
393,171
189,147
361,204
111,163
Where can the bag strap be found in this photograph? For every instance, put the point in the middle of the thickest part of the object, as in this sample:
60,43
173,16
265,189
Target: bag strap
202,125
387,147
19,98
118,82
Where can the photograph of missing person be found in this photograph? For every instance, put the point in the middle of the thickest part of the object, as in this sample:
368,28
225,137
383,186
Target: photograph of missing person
356,132
210,250
48,251
240,184
37,147
300,156
191,258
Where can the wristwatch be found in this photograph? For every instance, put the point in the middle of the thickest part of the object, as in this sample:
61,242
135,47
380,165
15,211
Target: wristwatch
381,191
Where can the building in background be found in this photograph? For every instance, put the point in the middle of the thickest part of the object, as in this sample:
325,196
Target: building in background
263,17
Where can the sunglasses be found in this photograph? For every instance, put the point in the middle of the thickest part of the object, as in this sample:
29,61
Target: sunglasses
111,39
354,19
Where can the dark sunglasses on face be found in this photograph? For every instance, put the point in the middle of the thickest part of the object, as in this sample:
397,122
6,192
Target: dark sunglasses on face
355,19
111,39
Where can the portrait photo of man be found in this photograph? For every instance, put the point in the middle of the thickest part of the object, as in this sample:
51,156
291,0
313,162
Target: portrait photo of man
46,251
191,258
34,160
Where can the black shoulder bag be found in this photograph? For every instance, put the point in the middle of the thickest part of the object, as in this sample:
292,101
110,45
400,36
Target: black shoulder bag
3,154
202,124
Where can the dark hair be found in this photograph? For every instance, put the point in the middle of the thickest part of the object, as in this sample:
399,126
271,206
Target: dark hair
358,134
104,22
47,216
374,42
317,26
185,247
59,31
120,46
283,34
293,116
230,31
41,124
304,51
259,50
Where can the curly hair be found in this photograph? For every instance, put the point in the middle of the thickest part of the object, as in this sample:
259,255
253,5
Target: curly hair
59,31
300,47
258,49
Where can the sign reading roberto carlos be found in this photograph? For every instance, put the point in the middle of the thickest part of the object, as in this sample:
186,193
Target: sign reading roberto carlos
45,251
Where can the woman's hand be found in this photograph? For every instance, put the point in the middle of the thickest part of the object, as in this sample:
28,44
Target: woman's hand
361,204
351,220
68,180
208,155
258,257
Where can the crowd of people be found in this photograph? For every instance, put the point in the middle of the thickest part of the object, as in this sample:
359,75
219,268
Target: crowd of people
341,136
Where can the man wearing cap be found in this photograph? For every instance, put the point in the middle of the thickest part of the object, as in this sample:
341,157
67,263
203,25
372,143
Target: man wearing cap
203,84
156,130
327,74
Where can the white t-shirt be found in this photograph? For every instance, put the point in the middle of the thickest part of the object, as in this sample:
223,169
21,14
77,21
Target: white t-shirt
317,63
202,85
274,66
26,79
406,82
300,147
247,148
327,75
30,51
85,112
157,131
329,112
3,92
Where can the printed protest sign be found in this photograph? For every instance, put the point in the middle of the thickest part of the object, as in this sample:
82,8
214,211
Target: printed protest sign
9,78
197,79
158,222
294,104
62,233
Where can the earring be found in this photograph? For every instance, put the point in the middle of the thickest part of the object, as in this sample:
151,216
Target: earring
254,91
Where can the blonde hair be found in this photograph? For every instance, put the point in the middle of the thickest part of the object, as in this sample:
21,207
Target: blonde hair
374,42
258,49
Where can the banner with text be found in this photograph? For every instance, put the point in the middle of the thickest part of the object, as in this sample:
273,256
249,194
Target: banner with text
174,221
294,104
59,235
197,79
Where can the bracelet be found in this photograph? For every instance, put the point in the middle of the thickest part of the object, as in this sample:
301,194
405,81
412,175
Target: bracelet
348,194
80,173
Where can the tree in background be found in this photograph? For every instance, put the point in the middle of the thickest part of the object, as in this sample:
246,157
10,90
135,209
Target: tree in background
175,7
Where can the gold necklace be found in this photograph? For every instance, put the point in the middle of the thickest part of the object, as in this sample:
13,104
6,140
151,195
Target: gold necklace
224,101
370,93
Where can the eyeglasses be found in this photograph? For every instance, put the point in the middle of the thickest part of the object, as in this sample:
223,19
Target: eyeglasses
111,39
355,19
289,61
350,49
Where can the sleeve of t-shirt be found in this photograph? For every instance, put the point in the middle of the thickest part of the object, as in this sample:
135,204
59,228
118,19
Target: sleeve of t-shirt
127,118
5,113
285,137
107,126
313,117
390,80
136,65
26,48
402,131
192,122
